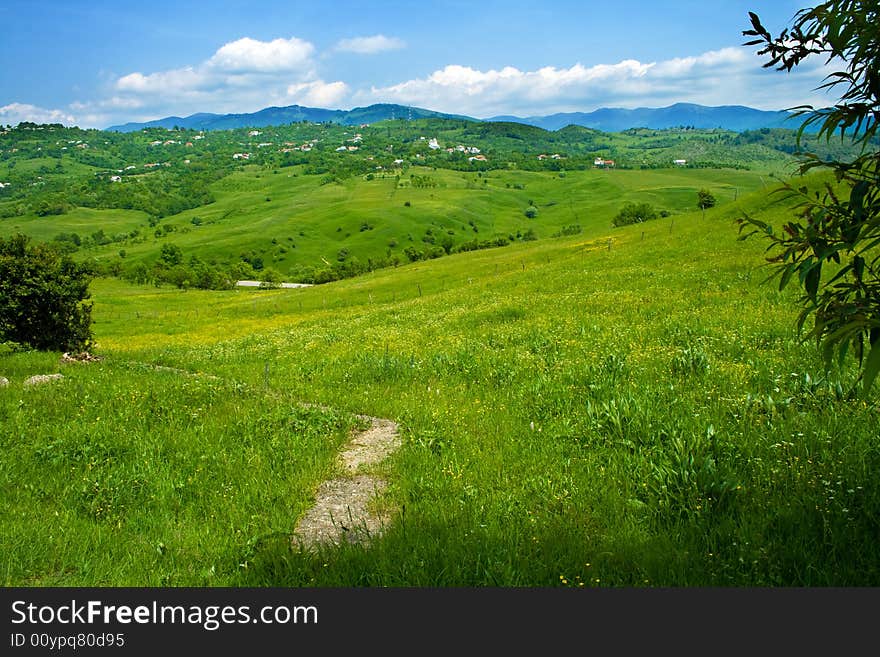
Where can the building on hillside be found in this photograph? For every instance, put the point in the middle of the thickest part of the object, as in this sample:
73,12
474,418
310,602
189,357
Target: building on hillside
603,163
680,163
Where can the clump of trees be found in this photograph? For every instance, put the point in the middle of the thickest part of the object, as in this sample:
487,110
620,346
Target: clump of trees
634,213
705,200
840,225
43,297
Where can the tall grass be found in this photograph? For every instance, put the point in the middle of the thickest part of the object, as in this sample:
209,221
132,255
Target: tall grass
625,407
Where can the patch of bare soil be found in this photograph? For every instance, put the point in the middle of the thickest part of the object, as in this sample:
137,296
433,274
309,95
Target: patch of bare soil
39,379
344,509
82,357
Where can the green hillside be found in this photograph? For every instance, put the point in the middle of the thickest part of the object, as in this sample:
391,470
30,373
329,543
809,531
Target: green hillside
316,202
292,221
620,407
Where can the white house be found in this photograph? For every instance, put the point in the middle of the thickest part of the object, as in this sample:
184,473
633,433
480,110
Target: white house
433,144
680,163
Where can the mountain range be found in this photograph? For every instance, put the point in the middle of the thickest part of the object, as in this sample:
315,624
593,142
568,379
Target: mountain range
729,117
290,114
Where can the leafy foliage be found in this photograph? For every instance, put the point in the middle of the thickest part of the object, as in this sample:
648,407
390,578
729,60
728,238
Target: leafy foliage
42,297
634,213
705,199
835,227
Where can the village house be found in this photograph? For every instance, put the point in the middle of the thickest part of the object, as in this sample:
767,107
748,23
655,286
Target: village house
680,163
602,163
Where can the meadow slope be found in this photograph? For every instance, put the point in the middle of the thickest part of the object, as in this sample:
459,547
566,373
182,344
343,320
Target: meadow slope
623,407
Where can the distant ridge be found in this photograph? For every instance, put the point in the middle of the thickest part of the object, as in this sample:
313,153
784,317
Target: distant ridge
737,118
291,114
728,117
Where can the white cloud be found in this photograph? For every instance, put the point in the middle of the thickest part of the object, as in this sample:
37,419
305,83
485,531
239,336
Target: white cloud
247,75
370,45
176,81
249,55
15,113
726,76
317,93
244,75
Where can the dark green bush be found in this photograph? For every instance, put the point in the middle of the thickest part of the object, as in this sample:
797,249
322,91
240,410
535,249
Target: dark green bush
43,297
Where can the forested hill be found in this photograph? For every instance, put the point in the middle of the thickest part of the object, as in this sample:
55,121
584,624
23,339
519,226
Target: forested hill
735,118
45,169
273,116
728,117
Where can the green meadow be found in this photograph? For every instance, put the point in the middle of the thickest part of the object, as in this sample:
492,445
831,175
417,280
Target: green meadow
291,220
620,407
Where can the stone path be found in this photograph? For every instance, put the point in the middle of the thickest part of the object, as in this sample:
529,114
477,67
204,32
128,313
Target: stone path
343,507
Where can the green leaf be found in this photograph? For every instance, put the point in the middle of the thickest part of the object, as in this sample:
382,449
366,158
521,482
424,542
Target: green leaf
872,368
786,275
811,282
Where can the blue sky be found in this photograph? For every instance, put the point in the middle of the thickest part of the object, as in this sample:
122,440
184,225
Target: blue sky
99,63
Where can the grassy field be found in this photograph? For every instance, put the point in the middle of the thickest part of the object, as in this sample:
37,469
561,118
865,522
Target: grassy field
623,407
291,220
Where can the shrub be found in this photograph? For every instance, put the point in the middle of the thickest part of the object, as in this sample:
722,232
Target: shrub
43,297
634,213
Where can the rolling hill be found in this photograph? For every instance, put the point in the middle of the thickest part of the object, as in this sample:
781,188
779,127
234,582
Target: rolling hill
730,117
284,115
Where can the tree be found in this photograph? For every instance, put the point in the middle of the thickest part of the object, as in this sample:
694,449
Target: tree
43,297
634,213
705,200
839,226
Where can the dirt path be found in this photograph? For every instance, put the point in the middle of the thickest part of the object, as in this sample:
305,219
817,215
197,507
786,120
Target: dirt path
344,507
